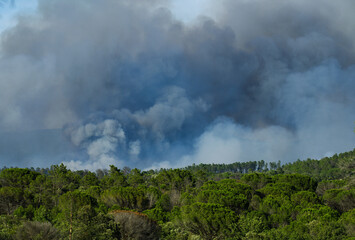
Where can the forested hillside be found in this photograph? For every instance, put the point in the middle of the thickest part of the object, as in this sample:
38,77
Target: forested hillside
311,199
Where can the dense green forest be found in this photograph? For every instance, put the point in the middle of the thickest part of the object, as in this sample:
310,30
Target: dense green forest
311,199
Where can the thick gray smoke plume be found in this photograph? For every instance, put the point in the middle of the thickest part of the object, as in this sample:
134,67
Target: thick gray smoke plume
127,83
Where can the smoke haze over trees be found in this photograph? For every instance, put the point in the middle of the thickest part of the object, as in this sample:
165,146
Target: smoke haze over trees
94,83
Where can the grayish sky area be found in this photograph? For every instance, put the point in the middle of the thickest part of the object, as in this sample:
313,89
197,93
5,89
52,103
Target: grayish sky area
161,83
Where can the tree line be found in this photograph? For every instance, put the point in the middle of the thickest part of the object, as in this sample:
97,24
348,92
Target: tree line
311,199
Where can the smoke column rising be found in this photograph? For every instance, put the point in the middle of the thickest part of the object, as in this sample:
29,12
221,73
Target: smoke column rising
127,83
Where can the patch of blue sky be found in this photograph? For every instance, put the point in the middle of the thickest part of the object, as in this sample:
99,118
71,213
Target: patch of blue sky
189,10
184,10
9,9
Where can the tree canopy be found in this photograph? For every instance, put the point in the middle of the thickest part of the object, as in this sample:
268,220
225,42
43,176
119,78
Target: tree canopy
311,199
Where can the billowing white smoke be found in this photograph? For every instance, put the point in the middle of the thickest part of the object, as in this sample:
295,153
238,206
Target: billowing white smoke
226,142
129,84
107,143
100,142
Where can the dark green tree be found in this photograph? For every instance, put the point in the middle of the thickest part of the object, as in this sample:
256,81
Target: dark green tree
36,231
210,221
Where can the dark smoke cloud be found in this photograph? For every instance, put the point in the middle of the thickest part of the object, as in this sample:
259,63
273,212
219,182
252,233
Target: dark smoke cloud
129,84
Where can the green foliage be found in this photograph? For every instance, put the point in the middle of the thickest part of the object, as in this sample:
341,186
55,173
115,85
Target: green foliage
136,225
253,223
8,226
172,232
115,178
210,221
42,214
175,179
312,199
228,185
256,180
313,230
36,231
10,199
158,214
318,222
63,180
348,222
278,189
27,212
89,180
318,212
305,198
227,192
329,168
300,182
126,197
17,177
228,199
135,177
340,199
279,209
329,184
41,190
237,167
76,211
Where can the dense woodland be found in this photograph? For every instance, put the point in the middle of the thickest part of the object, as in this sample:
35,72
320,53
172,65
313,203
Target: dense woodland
311,199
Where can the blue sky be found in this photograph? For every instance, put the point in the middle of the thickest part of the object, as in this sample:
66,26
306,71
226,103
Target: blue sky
8,13
184,10
188,10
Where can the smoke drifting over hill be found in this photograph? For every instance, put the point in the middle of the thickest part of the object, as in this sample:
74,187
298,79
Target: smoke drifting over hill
129,84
